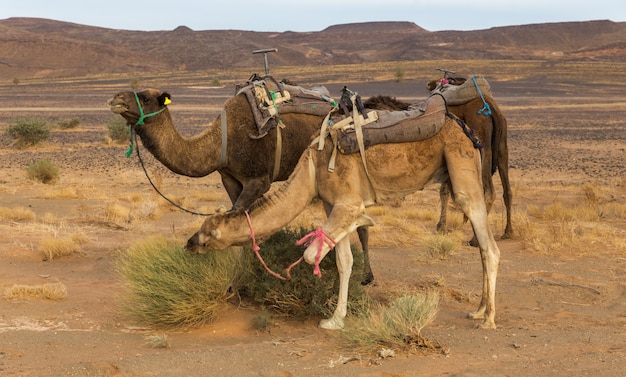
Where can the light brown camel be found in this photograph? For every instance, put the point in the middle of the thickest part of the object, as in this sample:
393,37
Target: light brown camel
248,164
394,170
492,131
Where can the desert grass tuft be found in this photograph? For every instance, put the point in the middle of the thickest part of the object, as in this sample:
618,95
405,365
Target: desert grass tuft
157,341
166,288
51,291
439,246
398,325
53,248
305,295
16,214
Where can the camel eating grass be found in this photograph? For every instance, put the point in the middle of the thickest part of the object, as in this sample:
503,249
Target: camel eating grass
391,170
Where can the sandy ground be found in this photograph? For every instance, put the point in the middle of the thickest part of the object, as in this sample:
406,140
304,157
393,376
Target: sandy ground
560,313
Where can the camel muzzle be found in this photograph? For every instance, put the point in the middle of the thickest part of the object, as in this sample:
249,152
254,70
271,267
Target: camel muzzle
194,246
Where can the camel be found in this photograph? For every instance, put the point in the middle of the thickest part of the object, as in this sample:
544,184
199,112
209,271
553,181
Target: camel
245,164
393,170
492,131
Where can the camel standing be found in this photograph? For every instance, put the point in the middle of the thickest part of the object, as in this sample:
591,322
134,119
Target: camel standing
246,165
394,170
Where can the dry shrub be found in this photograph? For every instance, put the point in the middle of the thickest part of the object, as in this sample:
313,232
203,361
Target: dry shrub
43,171
16,214
398,325
59,247
51,291
166,288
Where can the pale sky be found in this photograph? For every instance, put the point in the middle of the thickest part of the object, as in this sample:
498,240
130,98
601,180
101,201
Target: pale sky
309,15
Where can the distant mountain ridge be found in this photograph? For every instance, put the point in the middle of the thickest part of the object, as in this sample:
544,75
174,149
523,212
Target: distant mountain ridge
34,47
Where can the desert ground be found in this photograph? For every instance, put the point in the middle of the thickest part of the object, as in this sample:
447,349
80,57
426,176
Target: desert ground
561,294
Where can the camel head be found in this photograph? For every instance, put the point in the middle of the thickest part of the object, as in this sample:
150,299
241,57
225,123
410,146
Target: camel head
211,236
137,107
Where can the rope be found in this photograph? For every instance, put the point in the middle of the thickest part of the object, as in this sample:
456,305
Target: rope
324,238
156,189
256,249
486,110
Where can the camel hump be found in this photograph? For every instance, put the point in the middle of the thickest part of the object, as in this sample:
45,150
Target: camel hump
421,122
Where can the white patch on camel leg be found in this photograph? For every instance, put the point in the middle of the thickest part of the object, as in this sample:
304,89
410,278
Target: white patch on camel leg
344,266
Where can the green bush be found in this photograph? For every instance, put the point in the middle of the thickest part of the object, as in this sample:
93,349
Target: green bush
43,171
28,132
67,124
305,295
118,130
166,288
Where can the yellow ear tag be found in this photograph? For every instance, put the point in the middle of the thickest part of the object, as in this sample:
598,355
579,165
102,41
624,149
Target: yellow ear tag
167,101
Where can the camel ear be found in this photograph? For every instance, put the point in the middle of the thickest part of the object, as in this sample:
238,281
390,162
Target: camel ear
165,99
220,209
216,234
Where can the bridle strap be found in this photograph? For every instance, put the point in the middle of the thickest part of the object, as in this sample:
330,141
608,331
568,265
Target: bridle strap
142,116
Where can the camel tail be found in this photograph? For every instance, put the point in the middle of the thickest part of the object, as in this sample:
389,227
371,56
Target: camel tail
499,132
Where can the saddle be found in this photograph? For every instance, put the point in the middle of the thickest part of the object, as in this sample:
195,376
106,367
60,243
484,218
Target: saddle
459,94
420,122
269,98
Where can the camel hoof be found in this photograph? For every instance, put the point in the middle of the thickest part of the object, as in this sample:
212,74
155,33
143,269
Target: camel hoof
487,325
473,242
331,324
507,235
368,279
479,314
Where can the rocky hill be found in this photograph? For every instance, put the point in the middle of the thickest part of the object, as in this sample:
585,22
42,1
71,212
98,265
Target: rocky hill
31,47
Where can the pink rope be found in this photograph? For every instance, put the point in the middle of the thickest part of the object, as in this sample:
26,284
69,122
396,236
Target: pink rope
324,238
256,249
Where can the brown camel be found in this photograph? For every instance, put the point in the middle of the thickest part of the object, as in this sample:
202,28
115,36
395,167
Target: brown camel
492,131
246,166
392,170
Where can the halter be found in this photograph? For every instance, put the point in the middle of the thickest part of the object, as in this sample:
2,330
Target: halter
140,122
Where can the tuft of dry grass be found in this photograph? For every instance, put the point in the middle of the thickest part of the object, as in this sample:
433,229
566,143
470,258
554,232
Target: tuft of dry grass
157,341
398,325
59,247
166,288
440,245
50,291
62,193
16,214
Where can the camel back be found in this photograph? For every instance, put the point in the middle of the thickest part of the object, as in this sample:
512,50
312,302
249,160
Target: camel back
268,99
461,94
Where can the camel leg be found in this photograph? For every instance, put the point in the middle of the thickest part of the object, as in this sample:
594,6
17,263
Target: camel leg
503,170
368,276
344,266
232,186
468,195
444,195
242,195
342,220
